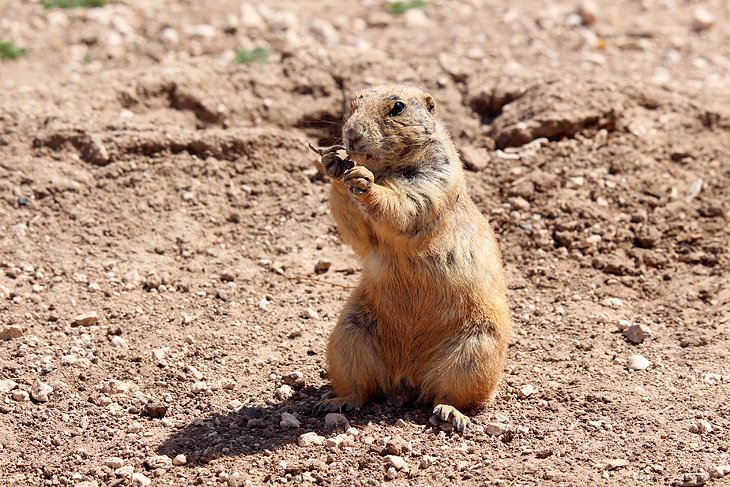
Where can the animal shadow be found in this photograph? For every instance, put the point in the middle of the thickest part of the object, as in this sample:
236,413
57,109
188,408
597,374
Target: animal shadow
254,429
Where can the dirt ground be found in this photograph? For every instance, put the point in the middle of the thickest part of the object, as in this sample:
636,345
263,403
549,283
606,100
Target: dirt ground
148,178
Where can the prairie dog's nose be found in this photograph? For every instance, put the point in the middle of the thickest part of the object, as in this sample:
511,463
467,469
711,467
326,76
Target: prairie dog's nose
354,131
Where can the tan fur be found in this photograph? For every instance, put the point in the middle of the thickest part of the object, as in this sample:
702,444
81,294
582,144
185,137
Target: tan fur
430,311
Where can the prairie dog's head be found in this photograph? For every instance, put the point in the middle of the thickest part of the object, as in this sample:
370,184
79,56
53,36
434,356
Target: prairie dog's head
389,124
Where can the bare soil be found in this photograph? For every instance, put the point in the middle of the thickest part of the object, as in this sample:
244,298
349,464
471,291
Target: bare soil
147,177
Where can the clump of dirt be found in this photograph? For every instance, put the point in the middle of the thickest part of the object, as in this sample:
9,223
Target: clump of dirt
169,272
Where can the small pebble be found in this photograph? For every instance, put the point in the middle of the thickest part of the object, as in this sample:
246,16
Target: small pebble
140,479
113,462
310,314
131,279
194,372
179,460
526,391
702,427
391,473
333,420
20,395
638,362
125,471
134,428
199,387
289,421
496,429
284,392
322,266
702,19
119,342
309,439
294,380
12,331
397,461
40,391
636,334
89,318
7,385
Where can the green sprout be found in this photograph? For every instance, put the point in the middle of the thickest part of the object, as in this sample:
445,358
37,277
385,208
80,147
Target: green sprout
248,56
397,8
8,50
73,3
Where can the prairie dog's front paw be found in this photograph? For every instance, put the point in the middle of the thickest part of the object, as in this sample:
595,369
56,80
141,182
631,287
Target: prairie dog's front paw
359,179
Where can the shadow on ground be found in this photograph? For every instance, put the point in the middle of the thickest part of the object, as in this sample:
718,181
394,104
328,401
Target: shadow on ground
253,429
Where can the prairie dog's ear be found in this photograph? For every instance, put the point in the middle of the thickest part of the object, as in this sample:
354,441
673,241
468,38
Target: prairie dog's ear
430,103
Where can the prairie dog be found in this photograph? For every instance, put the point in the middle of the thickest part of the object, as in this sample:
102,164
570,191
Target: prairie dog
429,315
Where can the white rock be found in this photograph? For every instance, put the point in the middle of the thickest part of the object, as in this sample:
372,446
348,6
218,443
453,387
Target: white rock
703,427
40,391
416,17
117,387
719,471
250,16
638,362
588,12
169,37
310,313
7,385
159,461
397,462
119,342
140,479
289,421
205,31
179,460
527,390
20,395
354,432
702,19
496,429
131,279
309,439
391,473
284,392
332,443
235,404
69,359
332,420
199,387
113,462
125,471
134,428
194,372
159,353
324,31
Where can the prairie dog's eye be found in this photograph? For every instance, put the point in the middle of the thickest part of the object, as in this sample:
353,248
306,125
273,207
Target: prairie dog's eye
397,109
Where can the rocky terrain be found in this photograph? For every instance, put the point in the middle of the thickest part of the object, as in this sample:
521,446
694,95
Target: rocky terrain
169,272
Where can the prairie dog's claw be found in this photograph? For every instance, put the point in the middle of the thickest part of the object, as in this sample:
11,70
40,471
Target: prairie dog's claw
326,150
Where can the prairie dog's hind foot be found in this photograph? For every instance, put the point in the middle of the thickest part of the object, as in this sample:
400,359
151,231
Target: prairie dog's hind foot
334,405
449,413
